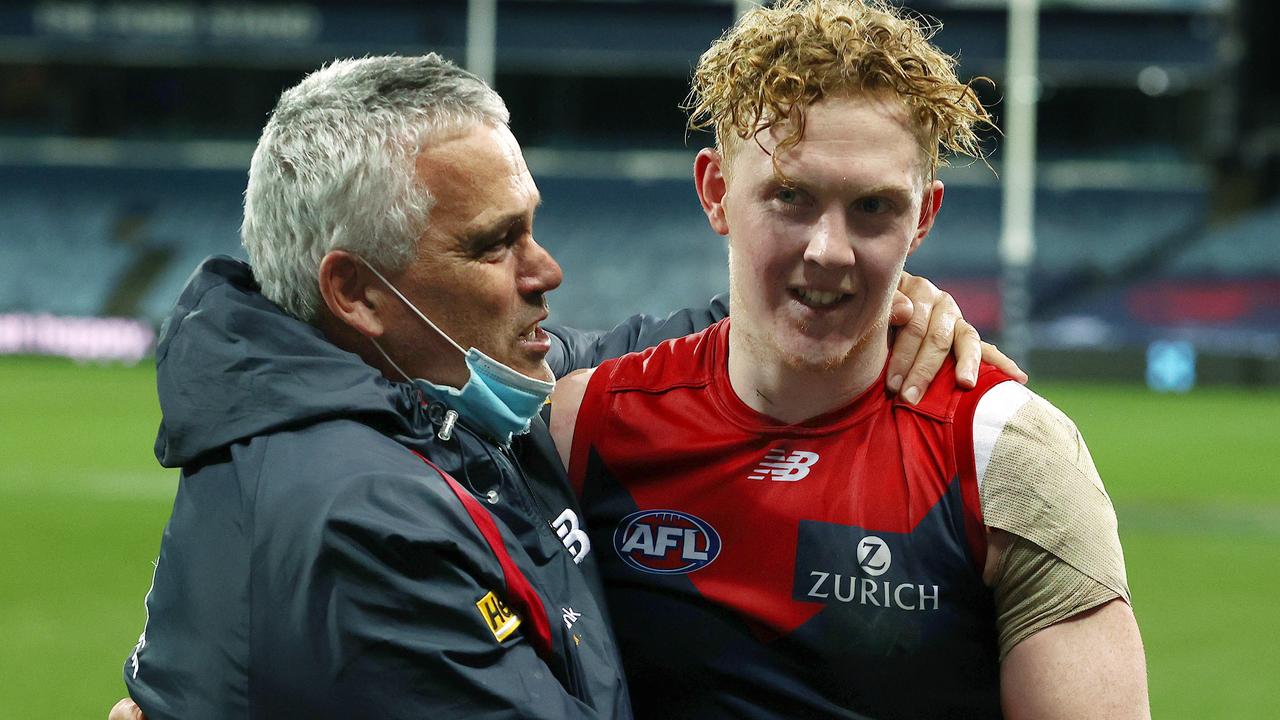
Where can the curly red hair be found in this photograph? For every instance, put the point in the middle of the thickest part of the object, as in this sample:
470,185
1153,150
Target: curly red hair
776,62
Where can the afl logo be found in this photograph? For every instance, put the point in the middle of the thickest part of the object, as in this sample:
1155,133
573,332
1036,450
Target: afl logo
666,542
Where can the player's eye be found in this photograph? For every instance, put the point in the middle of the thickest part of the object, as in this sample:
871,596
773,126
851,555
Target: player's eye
873,205
791,198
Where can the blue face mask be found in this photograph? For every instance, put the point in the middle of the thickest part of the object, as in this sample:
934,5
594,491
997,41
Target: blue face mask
499,399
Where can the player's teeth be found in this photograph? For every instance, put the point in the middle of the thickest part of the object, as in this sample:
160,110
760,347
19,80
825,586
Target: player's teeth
817,297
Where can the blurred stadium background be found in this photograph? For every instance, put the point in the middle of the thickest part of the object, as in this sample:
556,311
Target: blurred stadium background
126,130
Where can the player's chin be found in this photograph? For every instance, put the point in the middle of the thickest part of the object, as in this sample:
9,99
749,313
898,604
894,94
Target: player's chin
806,354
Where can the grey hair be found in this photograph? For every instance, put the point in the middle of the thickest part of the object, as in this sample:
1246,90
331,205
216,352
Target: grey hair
334,168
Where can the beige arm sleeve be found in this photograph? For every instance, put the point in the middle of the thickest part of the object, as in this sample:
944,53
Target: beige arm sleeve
1037,481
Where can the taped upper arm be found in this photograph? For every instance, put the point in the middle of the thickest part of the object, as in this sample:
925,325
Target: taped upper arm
1038,482
1034,589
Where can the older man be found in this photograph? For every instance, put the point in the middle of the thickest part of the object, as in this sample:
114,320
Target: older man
365,525
789,539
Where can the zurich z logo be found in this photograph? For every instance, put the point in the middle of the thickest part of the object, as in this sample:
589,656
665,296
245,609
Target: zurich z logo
874,556
784,466
666,542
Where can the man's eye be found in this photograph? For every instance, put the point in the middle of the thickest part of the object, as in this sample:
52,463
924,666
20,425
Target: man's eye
492,250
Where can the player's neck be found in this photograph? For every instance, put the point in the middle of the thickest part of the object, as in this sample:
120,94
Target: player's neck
792,393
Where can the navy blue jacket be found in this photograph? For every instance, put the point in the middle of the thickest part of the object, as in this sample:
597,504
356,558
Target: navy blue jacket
329,555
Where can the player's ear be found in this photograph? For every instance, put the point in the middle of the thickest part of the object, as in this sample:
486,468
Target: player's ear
350,292
929,208
708,178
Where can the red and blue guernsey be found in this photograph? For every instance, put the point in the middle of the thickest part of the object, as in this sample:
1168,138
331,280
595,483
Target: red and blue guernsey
761,570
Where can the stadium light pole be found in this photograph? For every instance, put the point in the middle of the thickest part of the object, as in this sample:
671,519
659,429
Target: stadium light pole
482,38
1018,207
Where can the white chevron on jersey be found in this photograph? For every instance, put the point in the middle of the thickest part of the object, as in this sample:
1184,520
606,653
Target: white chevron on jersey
989,418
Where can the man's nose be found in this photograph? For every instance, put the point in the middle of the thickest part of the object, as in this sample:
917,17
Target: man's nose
540,272
829,245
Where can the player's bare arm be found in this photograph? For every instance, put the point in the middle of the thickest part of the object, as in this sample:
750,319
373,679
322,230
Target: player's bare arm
565,402
1069,640
1088,666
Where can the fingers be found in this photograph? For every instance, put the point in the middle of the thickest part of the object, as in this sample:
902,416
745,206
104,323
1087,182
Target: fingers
912,306
968,351
992,355
906,345
933,347
900,309
126,709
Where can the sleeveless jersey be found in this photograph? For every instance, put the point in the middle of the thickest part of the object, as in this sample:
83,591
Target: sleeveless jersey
754,569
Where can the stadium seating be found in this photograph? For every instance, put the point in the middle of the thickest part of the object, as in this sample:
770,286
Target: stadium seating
73,237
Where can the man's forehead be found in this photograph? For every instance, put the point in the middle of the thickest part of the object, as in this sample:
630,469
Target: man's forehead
476,151
478,178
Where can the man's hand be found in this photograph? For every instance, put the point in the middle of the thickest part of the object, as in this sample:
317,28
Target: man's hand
930,325
126,709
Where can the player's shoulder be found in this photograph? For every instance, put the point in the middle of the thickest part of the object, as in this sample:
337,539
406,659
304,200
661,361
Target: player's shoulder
685,361
946,400
1012,406
1013,422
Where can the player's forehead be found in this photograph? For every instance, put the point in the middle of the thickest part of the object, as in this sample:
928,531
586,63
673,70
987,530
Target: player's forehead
859,140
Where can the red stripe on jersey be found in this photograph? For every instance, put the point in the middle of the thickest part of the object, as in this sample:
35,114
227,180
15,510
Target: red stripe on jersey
520,594
585,426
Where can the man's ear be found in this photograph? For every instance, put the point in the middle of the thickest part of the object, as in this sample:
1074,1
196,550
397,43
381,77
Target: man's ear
708,178
928,213
346,285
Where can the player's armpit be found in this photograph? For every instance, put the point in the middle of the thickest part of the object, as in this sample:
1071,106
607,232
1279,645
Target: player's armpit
1090,666
565,402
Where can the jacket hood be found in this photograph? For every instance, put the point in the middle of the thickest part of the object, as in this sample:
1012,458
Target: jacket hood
230,364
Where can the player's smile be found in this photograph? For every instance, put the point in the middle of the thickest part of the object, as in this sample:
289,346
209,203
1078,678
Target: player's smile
819,299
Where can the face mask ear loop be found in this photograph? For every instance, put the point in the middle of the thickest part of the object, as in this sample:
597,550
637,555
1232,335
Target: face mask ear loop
412,307
387,357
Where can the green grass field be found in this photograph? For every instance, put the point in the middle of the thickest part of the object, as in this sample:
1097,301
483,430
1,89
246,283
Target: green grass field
83,502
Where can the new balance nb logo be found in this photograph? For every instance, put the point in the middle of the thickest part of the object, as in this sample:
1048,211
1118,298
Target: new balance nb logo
784,466
574,539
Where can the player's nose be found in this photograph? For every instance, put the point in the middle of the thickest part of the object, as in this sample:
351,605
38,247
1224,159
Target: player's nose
828,244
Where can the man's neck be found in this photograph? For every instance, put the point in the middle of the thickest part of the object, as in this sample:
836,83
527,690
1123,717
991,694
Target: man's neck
792,394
